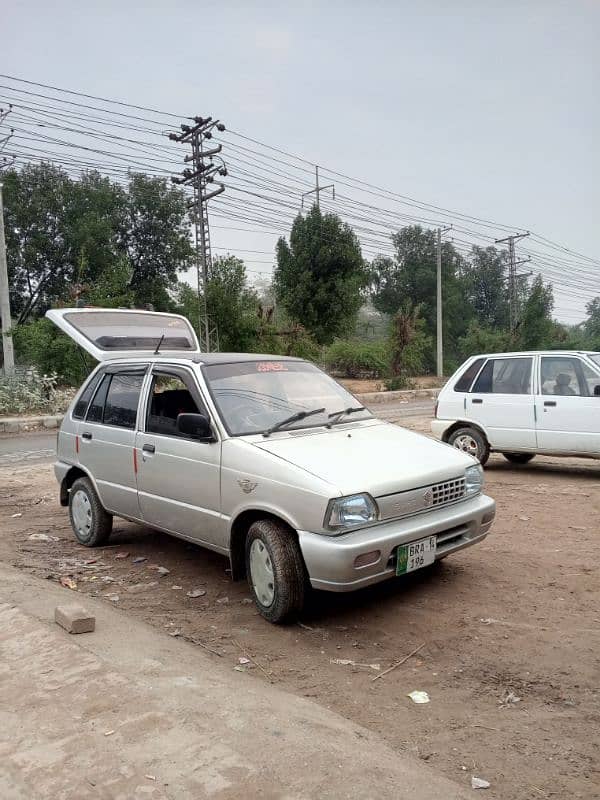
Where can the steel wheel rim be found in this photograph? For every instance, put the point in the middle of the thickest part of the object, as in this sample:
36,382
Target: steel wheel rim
261,572
81,509
467,444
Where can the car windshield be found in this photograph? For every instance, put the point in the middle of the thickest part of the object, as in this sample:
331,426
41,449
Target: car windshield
596,358
253,396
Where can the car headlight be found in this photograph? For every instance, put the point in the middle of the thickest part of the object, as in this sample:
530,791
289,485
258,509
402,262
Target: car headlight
351,511
474,480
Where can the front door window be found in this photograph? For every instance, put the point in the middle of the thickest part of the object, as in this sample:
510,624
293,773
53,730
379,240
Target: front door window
169,397
563,376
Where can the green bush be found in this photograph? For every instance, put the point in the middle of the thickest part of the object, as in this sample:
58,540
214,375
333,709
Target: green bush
40,344
351,358
397,382
30,392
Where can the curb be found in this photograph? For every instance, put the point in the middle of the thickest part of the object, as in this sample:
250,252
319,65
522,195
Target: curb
24,424
403,394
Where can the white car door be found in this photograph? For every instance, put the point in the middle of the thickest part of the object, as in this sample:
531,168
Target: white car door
502,402
178,478
567,411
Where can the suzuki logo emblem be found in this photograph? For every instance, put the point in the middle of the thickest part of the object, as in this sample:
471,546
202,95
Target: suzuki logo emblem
247,486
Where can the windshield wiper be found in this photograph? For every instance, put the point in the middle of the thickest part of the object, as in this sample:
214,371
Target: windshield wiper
336,416
294,418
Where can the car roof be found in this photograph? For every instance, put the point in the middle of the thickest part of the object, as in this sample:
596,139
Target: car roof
537,353
201,358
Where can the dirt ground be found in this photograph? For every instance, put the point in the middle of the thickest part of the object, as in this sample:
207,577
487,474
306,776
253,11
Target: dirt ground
358,386
511,628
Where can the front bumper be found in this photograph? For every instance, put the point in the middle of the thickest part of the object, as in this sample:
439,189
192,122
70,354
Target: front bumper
330,559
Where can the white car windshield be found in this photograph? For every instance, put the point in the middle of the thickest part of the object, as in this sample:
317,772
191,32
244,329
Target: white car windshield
255,396
596,358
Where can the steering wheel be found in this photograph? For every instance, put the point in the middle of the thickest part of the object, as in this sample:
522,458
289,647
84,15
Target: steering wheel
245,417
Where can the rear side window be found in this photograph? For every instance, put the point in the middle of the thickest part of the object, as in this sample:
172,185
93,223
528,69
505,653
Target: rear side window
463,384
505,376
122,400
96,409
85,397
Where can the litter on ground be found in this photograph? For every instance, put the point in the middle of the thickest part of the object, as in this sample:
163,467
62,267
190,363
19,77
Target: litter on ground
418,697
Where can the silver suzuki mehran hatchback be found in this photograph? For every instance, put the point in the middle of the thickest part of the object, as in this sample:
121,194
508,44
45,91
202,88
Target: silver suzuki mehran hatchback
265,459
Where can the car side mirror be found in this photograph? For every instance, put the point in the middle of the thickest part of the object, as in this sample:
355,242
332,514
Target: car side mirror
196,426
597,390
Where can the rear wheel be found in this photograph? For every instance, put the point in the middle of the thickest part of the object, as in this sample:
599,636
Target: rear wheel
518,458
90,522
275,570
471,441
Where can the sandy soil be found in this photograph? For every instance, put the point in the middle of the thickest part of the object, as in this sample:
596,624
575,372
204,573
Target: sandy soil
357,386
515,617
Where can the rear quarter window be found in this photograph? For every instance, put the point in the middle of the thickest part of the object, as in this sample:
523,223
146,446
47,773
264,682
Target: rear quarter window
463,384
85,397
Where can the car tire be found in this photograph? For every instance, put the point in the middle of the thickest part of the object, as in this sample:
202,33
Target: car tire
91,523
275,570
519,458
471,441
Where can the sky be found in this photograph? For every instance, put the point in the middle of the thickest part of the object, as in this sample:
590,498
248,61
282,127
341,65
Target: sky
491,109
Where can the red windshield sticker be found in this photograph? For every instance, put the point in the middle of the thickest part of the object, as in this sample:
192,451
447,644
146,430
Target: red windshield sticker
271,366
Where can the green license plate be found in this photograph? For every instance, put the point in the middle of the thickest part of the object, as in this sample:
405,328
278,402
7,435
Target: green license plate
415,555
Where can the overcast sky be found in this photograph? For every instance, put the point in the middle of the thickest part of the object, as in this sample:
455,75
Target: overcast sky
492,109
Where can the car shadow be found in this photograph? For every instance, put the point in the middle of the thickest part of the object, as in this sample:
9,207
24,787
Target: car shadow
546,465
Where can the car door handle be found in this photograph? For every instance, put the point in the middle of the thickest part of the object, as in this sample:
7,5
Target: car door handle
149,448
86,436
477,400
549,402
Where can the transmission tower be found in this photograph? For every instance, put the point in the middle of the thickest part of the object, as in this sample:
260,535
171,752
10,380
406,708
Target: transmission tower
513,297
199,177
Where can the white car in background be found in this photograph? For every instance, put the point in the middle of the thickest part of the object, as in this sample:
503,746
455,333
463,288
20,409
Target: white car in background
520,404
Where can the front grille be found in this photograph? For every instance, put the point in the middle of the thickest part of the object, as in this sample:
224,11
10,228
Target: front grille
416,501
448,492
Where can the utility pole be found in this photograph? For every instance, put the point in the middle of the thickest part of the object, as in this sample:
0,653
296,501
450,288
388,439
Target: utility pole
440,334
202,174
7,342
318,189
513,300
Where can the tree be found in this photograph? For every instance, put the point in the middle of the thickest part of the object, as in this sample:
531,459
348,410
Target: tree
156,239
93,237
320,274
409,343
536,327
411,277
40,264
485,282
591,326
232,305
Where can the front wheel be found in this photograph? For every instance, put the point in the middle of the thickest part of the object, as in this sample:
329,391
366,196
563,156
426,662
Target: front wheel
91,523
518,458
471,441
275,570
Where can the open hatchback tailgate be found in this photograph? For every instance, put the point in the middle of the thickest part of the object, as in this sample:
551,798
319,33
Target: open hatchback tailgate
108,333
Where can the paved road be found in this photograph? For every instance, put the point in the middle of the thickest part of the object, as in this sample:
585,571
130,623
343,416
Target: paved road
27,448
41,447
